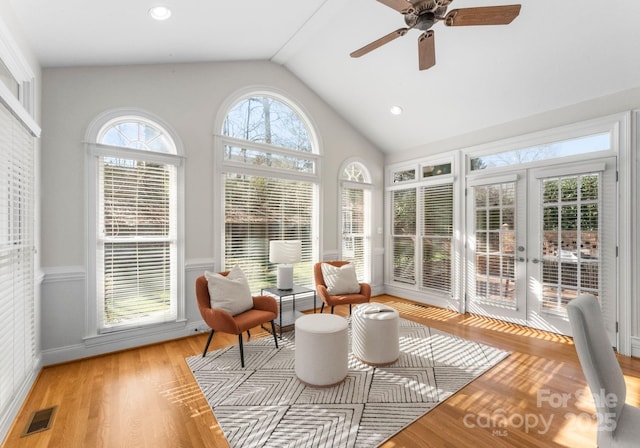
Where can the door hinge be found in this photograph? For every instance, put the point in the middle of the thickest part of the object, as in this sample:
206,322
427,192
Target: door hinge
617,327
616,251
617,176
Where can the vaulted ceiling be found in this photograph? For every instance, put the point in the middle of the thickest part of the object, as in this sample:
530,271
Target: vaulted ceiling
554,54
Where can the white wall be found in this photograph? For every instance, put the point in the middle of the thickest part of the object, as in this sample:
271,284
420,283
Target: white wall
188,97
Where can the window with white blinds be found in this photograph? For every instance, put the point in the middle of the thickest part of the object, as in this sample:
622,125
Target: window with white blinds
269,162
437,235
355,205
136,264
403,235
261,209
18,345
422,236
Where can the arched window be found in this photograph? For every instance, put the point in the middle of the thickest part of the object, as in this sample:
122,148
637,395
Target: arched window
356,218
269,164
134,175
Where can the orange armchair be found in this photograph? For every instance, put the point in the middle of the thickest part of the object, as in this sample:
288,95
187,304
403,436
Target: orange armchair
265,309
332,300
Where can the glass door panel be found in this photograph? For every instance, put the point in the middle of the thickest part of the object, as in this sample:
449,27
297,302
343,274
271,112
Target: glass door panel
495,289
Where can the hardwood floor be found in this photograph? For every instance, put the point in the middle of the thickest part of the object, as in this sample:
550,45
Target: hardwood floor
147,397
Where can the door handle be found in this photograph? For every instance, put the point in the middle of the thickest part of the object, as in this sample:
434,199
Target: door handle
521,259
535,260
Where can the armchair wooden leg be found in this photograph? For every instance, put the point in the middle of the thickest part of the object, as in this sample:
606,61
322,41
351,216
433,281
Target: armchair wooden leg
349,309
248,333
322,308
206,347
273,330
331,310
241,350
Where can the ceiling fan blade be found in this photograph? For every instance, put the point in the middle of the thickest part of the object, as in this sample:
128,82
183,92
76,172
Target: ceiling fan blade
379,42
426,50
402,6
486,15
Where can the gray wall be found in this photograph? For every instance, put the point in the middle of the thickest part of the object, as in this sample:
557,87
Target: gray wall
188,97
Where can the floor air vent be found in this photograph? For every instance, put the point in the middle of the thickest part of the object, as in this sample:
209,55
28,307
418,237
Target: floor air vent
40,421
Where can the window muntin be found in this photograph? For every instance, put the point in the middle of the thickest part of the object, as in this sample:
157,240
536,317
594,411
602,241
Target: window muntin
136,225
566,148
269,164
495,233
571,239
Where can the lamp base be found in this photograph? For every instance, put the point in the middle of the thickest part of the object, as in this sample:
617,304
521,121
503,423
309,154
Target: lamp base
285,277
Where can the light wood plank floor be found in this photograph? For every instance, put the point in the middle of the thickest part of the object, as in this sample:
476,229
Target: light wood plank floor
147,397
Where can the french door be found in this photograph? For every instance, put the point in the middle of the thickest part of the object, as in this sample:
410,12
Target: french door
538,238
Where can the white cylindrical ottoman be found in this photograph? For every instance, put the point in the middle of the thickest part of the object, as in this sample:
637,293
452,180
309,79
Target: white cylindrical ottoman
321,354
375,338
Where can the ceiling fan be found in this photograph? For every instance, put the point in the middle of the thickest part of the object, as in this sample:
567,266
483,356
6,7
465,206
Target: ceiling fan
423,14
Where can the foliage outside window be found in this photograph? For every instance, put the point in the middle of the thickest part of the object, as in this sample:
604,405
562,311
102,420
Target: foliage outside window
136,241
266,134
404,176
436,170
571,237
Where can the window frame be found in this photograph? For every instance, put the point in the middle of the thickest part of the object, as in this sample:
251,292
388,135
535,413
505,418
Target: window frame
222,167
450,298
367,187
95,150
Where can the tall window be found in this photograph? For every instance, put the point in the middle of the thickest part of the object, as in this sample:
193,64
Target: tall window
17,315
422,218
269,166
355,217
136,224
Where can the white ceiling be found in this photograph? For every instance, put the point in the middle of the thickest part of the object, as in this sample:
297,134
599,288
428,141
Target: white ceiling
555,54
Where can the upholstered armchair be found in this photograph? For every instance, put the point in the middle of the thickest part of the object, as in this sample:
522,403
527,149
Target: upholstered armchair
618,422
265,309
360,293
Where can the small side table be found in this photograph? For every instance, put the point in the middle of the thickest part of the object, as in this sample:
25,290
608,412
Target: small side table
288,317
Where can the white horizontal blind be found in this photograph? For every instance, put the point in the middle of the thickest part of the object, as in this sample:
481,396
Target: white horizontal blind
403,235
437,236
353,229
259,209
136,259
17,316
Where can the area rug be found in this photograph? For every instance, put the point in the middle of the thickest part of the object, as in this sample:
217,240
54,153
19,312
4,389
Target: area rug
264,404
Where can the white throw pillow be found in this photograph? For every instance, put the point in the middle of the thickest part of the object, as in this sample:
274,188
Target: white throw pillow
230,293
340,280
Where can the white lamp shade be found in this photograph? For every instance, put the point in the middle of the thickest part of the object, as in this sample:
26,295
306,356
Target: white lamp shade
285,251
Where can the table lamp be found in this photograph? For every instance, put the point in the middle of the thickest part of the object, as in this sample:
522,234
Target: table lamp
285,252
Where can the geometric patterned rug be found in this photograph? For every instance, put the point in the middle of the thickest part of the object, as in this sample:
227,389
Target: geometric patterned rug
264,404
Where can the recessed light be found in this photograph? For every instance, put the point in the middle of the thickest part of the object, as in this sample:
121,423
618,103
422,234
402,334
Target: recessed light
396,110
160,12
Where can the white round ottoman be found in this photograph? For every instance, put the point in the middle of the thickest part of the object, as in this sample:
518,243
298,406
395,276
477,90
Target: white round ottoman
321,349
375,338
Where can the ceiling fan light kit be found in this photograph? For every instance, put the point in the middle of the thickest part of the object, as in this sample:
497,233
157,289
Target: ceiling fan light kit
423,14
